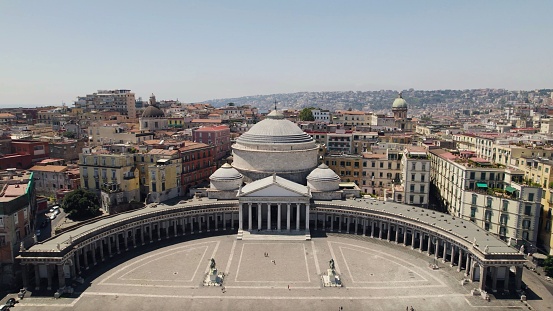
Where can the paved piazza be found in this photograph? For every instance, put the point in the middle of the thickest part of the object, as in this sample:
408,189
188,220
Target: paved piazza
377,275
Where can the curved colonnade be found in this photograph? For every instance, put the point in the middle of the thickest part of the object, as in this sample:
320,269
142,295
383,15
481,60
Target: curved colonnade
63,258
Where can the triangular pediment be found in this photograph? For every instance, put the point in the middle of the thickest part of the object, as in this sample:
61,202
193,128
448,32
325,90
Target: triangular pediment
274,186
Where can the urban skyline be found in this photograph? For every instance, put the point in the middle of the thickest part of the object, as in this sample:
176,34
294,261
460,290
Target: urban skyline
197,51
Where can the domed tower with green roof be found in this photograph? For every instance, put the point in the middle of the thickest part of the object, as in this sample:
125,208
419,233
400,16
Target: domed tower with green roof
399,108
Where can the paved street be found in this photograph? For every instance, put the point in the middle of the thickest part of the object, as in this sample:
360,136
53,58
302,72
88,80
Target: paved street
377,275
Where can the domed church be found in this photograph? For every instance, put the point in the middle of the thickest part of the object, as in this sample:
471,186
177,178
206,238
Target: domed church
275,177
153,118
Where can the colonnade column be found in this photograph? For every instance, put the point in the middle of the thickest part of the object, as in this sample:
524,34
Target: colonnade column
25,275
404,236
288,216
452,255
102,249
258,216
364,222
307,218
117,242
412,238
339,223
174,228
467,265
331,222
380,230
372,228
240,217
494,278
142,234
348,219
250,227
436,248
49,276
126,237
78,261
159,230
279,217
397,235
37,277
109,246
297,216
93,253
429,244
389,233
460,260
421,240
445,253
269,216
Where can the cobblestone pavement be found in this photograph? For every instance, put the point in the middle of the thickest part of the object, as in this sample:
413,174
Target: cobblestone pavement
377,275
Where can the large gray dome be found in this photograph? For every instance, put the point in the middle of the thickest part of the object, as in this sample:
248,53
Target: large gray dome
274,131
153,112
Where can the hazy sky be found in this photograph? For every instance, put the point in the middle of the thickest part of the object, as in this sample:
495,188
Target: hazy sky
53,51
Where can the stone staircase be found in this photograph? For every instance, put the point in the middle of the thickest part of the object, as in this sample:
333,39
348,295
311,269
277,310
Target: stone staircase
266,235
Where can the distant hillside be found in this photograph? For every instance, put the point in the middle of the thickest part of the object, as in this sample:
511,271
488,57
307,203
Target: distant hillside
382,100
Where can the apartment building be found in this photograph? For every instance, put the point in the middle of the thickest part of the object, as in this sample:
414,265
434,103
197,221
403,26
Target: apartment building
349,167
321,115
496,198
122,101
381,169
101,134
415,177
217,136
114,177
50,179
160,174
339,142
17,212
198,163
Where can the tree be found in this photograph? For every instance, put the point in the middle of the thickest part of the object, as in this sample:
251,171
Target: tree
230,104
69,134
306,114
80,204
548,265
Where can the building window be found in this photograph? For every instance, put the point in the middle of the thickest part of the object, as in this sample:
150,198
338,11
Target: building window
473,212
525,235
412,177
528,210
505,205
531,197
472,175
488,216
422,188
474,198
411,199
412,188
489,201
526,224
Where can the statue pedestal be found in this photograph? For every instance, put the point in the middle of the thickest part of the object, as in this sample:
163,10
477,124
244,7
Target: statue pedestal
331,279
213,278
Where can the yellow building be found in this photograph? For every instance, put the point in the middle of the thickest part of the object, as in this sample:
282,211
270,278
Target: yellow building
113,176
160,172
348,167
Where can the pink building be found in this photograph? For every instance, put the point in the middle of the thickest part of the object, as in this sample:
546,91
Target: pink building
217,136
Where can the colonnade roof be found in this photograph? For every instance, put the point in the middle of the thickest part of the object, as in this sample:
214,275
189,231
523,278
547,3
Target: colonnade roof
462,228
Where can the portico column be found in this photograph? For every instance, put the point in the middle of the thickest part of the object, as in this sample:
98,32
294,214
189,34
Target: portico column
452,255
25,275
174,228
460,260
494,278
436,248
250,225
258,216
49,276
208,223
483,275
340,223
126,238
506,282
364,222
61,276
307,217
412,238
231,221
73,272
404,236
389,233
297,216
331,222
380,225
348,220
142,235
240,217
288,216
279,217
109,246
518,277
225,221
324,221
397,234
269,216
421,240
37,277
444,254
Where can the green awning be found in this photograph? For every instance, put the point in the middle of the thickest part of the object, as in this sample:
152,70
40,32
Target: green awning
510,189
481,185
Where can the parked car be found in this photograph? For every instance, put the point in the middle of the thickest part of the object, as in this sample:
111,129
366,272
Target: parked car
56,211
11,302
54,208
53,216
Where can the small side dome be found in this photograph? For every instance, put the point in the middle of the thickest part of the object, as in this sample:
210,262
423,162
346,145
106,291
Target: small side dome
225,172
323,179
399,102
226,178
